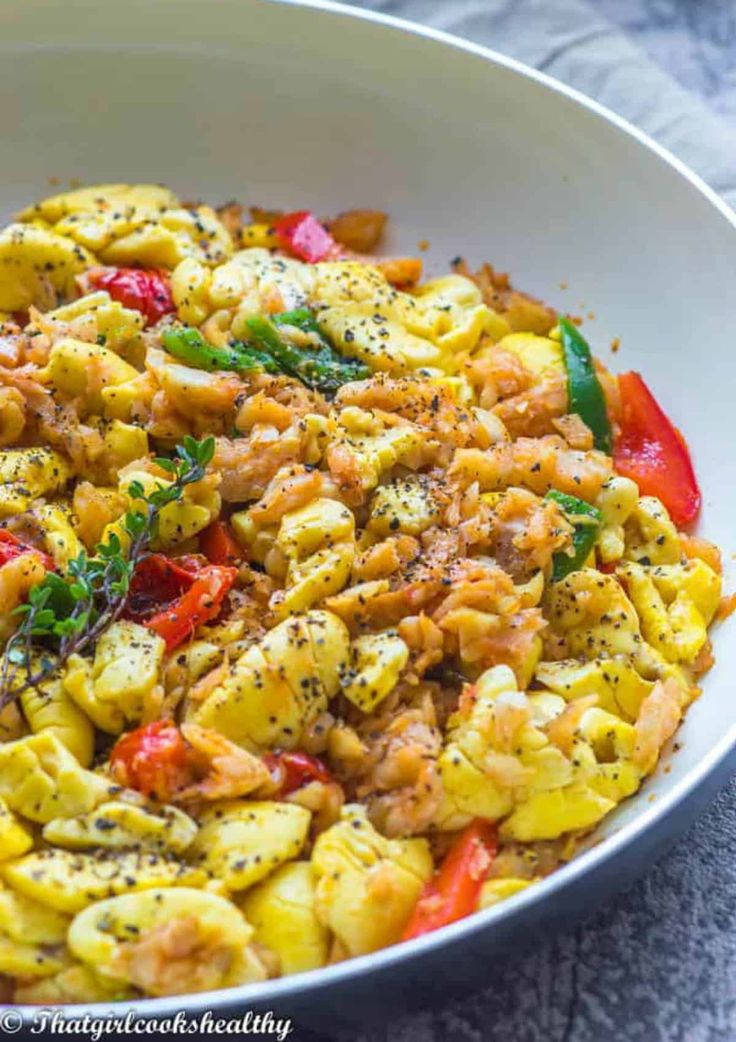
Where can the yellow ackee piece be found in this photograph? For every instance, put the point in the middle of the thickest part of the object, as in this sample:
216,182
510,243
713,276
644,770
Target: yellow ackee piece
319,542
117,825
376,662
405,505
277,687
26,474
215,927
677,630
619,686
395,331
261,235
50,710
367,885
593,615
376,448
282,912
72,983
15,839
616,501
359,331
41,780
69,881
496,890
547,815
651,537
60,539
104,321
124,443
18,959
37,265
112,688
199,505
103,198
82,371
539,354
494,755
242,841
31,937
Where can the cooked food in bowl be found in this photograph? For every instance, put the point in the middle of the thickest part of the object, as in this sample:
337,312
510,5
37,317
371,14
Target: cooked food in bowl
337,604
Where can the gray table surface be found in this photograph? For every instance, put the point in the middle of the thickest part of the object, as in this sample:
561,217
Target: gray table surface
657,963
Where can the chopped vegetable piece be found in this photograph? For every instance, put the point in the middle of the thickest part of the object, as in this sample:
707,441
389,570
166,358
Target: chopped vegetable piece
358,230
157,581
586,521
200,603
152,759
653,453
320,367
144,291
293,770
584,391
302,234
12,547
189,346
218,544
454,890
323,368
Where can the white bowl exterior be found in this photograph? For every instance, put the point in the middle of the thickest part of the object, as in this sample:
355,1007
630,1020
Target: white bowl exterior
285,106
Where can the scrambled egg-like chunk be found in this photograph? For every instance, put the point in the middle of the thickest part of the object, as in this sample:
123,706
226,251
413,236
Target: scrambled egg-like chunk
282,911
117,825
83,371
113,687
494,753
127,225
405,505
367,885
241,842
376,662
49,710
69,881
167,941
15,839
60,539
318,540
41,780
278,686
26,474
37,266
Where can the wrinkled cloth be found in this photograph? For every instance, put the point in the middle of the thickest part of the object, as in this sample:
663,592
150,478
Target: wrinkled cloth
668,66
657,963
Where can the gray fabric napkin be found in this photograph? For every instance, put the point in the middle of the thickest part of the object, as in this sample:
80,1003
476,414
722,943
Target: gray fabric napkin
658,963
571,40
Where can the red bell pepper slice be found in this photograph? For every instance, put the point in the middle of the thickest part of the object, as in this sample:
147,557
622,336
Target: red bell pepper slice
302,234
218,544
454,890
198,604
144,291
152,759
157,581
12,547
295,770
653,453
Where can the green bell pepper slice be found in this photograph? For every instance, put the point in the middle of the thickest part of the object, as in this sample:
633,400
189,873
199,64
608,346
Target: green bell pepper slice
584,391
586,521
322,369
190,347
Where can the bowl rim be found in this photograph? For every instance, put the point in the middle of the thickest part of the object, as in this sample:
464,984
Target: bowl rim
609,846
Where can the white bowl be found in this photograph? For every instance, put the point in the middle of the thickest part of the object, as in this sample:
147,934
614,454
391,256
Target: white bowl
324,107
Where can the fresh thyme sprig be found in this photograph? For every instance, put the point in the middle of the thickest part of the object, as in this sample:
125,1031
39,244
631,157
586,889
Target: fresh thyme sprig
66,615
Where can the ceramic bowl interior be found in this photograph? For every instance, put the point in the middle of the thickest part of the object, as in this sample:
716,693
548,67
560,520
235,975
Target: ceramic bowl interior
286,105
